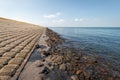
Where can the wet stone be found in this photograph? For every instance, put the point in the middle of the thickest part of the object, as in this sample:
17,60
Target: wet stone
87,73
95,62
45,70
77,58
62,67
45,53
43,60
37,46
39,64
74,77
78,72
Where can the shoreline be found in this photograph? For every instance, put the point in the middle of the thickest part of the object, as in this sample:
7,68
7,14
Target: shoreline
58,60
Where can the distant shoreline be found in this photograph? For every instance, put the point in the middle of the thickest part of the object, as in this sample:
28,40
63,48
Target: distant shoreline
88,27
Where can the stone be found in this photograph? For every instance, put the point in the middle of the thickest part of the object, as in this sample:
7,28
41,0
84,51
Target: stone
39,64
78,72
85,57
87,73
37,46
43,60
74,77
62,67
49,64
45,70
95,62
45,53
77,58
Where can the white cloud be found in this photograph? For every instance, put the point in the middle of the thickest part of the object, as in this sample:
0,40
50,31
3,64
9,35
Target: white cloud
61,20
58,21
85,19
52,15
79,19
58,13
76,19
49,16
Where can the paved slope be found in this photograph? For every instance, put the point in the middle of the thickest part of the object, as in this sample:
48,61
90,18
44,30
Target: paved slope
17,40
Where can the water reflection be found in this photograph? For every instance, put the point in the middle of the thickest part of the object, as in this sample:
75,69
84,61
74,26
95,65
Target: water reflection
101,41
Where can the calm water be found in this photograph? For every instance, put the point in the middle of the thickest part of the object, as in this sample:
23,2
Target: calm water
100,41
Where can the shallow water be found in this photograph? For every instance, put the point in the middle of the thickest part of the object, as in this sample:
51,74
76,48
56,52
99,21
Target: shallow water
98,41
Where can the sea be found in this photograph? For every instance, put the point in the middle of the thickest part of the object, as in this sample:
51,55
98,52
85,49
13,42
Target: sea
101,41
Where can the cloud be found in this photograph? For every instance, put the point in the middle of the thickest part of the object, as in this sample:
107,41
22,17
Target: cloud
58,13
52,15
58,21
80,19
76,19
85,19
49,16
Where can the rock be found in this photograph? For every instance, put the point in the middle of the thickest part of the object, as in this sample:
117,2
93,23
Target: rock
62,67
87,73
95,62
110,78
45,70
43,60
74,77
85,57
78,72
45,53
1,65
73,54
68,66
77,58
76,64
49,64
39,64
37,46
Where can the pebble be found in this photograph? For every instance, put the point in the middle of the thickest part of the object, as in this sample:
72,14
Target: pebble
78,72
45,53
85,57
39,63
44,70
95,62
74,77
62,67
38,46
77,58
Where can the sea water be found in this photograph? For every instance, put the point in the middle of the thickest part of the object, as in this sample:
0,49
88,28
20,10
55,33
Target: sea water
102,41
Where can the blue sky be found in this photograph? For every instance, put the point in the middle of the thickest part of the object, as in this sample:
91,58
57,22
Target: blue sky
63,13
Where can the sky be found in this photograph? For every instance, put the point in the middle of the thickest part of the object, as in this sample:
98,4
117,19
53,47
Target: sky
63,13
